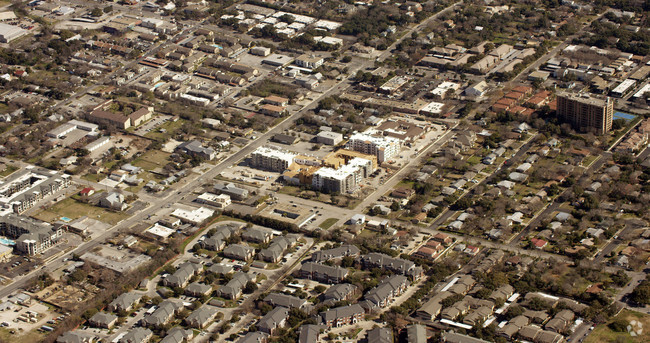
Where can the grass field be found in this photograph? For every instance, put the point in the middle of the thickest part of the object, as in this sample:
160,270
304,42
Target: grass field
74,209
32,336
169,127
327,223
603,334
9,170
152,159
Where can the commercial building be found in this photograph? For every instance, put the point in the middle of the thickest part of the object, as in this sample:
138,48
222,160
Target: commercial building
310,62
231,190
271,159
10,32
586,113
329,138
108,119
385,148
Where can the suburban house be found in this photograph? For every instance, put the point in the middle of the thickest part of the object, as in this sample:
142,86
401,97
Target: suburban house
113,201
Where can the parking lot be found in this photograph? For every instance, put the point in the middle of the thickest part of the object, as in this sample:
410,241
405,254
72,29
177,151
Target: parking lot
152,124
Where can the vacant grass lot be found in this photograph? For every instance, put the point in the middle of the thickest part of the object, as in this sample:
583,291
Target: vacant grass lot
151,160
75,209
603,334
327,223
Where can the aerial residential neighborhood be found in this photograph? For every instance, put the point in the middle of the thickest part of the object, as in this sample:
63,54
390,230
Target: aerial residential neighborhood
259,171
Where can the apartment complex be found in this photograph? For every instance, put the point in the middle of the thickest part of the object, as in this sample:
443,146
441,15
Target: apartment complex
24,189
586,113
345,179
32,235
383,147
271,159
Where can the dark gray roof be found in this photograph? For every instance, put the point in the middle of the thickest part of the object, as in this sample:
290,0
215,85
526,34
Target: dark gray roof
343,250
338,292
385,288
254,337
416,334
177,335
289,301
380,335
341,312
75,337
330,271
238,251
235,285
201,316
137,335
309,333
274,319
103,319
125,300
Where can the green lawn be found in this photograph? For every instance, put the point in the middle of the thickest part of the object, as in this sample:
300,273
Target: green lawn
151,160
9,170
75,209
169,127
602,333
474,160
327,223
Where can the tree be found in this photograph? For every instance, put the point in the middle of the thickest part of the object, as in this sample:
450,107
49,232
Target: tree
320,289
250,287
96,12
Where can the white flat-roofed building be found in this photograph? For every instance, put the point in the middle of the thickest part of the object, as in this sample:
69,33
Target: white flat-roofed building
329,137
92,146
68,127
271,159
432,108
623,88
346,179
220,201
643,90
440,92
159,232
194,217
327,25
383,147
309,61
10,32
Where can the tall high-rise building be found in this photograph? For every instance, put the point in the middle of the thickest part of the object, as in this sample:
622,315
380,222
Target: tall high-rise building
586,113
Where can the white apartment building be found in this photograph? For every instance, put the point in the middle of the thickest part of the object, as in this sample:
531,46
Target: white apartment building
271,159
384,147
346,179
